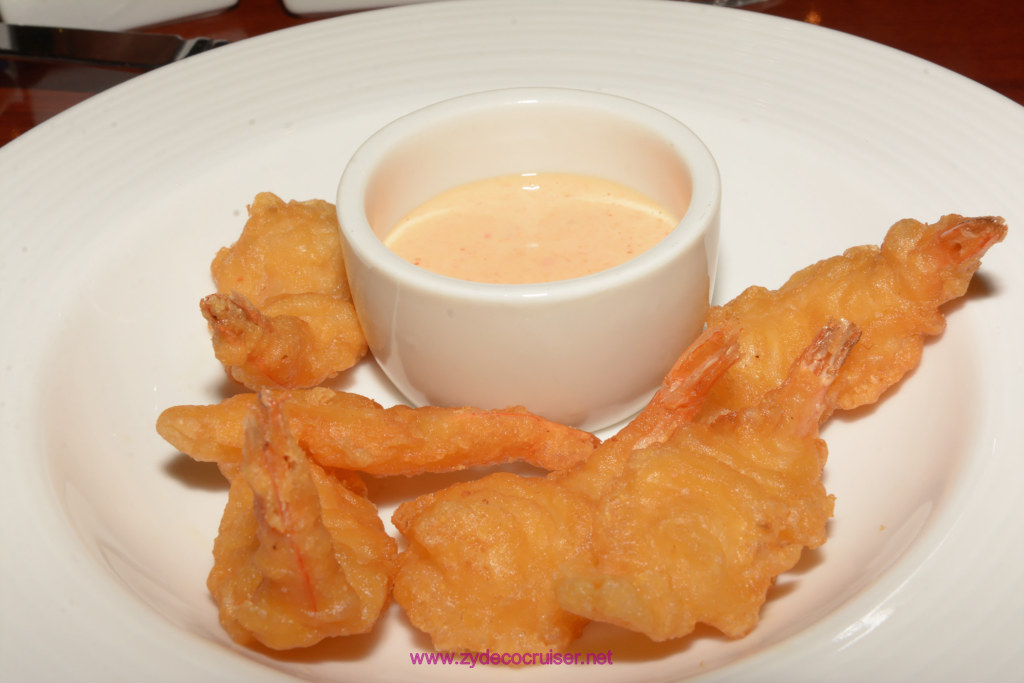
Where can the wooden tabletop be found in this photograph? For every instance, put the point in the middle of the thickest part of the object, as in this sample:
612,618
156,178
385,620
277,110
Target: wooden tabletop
980,39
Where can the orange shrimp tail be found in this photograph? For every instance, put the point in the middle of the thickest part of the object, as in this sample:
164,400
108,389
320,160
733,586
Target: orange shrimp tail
960,243
825,356
937,261
803,399
684,389
235,324
258,350
271,466
708,357
967,241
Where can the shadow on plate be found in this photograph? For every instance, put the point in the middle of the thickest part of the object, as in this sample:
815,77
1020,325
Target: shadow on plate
204,476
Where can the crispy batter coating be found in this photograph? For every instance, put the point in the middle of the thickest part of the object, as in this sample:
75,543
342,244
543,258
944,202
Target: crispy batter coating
695,529
282,316
684,517
352,432
301,554
714,489
677,402
479,569
476,574
892,293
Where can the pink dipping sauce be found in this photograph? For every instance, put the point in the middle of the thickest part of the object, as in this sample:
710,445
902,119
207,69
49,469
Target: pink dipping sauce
529,228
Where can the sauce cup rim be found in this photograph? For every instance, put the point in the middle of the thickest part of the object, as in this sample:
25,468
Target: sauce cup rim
361,238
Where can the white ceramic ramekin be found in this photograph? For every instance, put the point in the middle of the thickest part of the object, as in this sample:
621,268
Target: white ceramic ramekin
587,351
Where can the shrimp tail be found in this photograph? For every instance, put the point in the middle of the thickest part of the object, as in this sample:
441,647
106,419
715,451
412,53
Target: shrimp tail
301,554
962,246
827,353
688,381
258,350
236,325
935,263
274,469
803,400
296,554
968,239
685,387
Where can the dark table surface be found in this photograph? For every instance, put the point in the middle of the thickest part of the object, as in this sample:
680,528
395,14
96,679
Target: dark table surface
980,39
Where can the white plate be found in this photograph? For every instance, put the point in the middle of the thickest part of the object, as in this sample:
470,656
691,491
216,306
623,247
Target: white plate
113,210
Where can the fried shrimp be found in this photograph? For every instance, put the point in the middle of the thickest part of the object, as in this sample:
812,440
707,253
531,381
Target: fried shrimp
292,341
282,316
695,529
301,554
892,293
479,568
686,516
476,574
677,402
352,432
715,488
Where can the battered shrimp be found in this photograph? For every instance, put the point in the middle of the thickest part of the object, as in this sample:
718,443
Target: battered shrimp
677,402
301,555
696,529
477,572
283,315
352,432
479,567
291,341
892,293
686,516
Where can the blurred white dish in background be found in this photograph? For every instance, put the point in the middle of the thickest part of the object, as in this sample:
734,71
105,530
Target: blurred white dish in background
327,6
105,15
324,6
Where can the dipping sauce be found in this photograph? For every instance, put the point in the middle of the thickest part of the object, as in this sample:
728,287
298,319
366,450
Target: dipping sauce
529,228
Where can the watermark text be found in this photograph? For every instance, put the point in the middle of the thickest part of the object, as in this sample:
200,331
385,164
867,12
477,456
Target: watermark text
471,660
